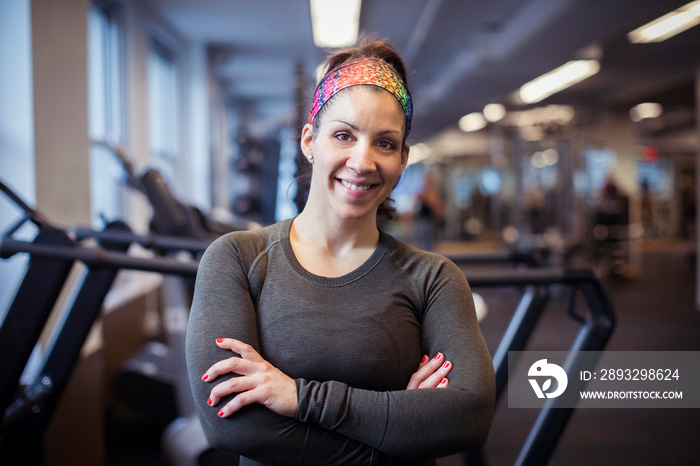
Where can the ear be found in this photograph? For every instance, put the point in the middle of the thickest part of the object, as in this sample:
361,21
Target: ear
307,135
404,155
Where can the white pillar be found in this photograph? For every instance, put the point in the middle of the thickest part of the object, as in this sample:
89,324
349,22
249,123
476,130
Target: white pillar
59,52
195,118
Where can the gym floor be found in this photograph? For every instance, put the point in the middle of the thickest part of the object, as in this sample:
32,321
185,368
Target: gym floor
655,312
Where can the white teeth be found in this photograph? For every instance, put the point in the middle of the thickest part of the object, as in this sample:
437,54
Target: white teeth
354,187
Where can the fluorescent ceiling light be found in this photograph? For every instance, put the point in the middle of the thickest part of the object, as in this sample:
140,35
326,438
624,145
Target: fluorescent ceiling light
668,25
472,122
556,80
335,22
545,158
646,110
494,112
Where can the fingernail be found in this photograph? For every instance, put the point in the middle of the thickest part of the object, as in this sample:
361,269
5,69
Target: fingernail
437,356
446,365
205,376
219,340
209,402
425,358
443,381
221,413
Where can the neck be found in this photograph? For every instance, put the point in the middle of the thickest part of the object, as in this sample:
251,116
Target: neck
336,235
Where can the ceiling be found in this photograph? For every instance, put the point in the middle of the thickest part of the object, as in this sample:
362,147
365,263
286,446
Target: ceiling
461,54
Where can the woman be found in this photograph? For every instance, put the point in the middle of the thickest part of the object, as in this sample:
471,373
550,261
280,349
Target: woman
308,340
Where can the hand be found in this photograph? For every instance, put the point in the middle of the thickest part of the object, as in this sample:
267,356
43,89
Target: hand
431,373
259,382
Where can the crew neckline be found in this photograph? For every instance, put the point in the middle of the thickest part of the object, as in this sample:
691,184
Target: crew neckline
295,265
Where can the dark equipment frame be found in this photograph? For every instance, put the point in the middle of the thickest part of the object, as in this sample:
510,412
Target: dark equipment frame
596,329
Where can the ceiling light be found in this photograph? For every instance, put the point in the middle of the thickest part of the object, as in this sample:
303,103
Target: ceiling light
335,22
646,110
550,157
472,122
556,80
668,25
537,160
494,112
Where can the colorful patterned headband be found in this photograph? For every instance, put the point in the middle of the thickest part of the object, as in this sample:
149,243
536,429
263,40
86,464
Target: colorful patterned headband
367,71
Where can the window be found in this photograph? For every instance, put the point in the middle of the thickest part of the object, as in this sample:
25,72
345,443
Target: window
17,140
163,112
286,183
108,199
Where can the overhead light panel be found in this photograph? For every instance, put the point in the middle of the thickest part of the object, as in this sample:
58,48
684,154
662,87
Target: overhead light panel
335,22
668,25
557,80
494,112
646,110
472,122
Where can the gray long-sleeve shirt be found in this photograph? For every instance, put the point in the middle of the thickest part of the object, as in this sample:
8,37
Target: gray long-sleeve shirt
351,343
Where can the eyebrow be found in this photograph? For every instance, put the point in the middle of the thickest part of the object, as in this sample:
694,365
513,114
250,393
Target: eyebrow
380,133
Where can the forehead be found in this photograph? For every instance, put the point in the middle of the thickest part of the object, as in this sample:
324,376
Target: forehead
365,100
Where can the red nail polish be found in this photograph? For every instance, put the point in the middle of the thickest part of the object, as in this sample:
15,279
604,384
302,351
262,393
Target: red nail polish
425,358
219,340
443,381
446,365
205,376
221,413
209,401
437,356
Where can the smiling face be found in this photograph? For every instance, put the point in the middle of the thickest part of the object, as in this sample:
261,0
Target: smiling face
358,152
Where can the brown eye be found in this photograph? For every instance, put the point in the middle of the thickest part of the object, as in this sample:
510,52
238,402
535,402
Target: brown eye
386,144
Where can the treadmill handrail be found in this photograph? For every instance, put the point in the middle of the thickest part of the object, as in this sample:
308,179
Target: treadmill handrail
513,257
99,257
600,305
150,241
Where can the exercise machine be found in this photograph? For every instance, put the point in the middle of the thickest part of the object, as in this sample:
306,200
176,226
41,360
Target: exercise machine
596,328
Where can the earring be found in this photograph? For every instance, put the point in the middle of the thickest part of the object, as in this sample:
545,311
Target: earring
311,158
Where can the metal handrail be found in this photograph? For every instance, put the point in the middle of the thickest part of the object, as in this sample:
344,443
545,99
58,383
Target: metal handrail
99,257
149,241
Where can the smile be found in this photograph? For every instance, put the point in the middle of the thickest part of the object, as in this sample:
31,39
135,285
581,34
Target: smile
354,187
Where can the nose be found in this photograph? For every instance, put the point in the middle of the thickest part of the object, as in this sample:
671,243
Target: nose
361,159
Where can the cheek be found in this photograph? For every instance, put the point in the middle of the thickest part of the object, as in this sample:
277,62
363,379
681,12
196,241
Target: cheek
395,172
324,167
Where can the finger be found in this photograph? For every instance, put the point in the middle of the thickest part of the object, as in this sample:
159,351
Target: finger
425,370
239,401
228,387
443,383
436,377
232,365
243,349
274,390
424,361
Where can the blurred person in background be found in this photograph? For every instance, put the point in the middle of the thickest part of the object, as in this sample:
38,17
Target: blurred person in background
429,214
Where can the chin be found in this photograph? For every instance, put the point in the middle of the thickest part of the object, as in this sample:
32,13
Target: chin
355,214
